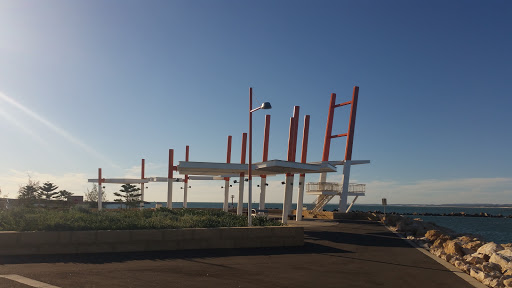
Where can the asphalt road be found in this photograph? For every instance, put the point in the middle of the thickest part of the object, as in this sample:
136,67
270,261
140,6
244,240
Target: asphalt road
335,254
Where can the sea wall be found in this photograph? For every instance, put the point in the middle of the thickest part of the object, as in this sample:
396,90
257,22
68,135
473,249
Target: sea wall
488,262
67,242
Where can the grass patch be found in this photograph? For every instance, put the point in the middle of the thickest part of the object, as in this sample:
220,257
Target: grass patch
80,219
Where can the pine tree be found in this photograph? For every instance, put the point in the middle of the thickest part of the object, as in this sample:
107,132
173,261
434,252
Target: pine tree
47,191
63,195
28,193
129,195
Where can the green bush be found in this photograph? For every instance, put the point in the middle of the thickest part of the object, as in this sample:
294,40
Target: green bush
80,218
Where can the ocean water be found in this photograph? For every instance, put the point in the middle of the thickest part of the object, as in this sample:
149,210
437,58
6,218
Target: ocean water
497,230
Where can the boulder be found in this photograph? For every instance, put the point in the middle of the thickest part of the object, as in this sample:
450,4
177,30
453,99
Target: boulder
489,248
455,259
506,253
473,260
490,267
440,241
437,251
492,282
477,274
453,248
446,257
432,235
474,245
462,266
504,261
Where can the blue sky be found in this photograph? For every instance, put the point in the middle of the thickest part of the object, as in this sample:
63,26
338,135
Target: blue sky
88,84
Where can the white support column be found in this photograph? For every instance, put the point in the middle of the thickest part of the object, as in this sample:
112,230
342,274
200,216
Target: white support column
263,186
344,192
169,193
226,196
300,197
142,196
323,177
100,194
185,189
287,202
240,207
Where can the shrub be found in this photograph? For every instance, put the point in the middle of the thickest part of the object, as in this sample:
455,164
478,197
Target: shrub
80,218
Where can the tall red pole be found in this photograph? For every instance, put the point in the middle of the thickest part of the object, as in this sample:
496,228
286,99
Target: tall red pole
266,138
328,129
228,156
171,164
305,136
295,131
351,124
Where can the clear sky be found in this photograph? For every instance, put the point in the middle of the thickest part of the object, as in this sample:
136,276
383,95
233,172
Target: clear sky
89,84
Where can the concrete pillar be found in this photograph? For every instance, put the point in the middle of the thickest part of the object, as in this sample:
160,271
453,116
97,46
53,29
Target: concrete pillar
287,202
185,190
100,194
344,192
240,207
263,186
226,196
169,193
300,197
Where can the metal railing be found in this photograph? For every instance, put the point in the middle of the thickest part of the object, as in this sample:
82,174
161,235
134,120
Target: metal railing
334,187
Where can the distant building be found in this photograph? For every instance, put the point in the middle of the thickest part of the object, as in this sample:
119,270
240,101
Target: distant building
76,199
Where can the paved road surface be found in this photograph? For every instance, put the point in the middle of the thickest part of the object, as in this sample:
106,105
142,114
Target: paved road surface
335,254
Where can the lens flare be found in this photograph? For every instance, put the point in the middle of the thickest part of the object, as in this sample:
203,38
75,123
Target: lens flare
63,133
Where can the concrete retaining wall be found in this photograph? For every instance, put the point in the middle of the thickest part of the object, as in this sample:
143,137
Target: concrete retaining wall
67,242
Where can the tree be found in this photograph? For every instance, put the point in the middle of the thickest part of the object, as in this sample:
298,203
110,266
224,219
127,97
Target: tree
47,191
92,195
28,193
129,195
63,195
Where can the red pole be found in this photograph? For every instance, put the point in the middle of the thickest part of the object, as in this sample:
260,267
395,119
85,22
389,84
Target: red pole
305,136
142,171
290,139
228,156
171,163
99,176
266,138
328,129
244,144
351,124
295,131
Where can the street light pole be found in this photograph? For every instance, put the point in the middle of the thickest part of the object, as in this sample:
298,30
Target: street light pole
265,105
249,210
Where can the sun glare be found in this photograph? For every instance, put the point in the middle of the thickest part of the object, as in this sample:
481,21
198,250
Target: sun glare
63,133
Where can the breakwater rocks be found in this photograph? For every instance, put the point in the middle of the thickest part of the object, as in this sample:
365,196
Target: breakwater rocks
488,262
455,214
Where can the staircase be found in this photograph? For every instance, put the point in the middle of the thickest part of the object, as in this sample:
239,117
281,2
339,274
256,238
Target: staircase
321,201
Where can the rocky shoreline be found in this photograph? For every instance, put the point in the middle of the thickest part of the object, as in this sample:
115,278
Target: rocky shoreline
488,262
455,214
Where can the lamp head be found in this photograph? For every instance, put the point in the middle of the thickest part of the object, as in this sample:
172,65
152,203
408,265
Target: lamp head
266,105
